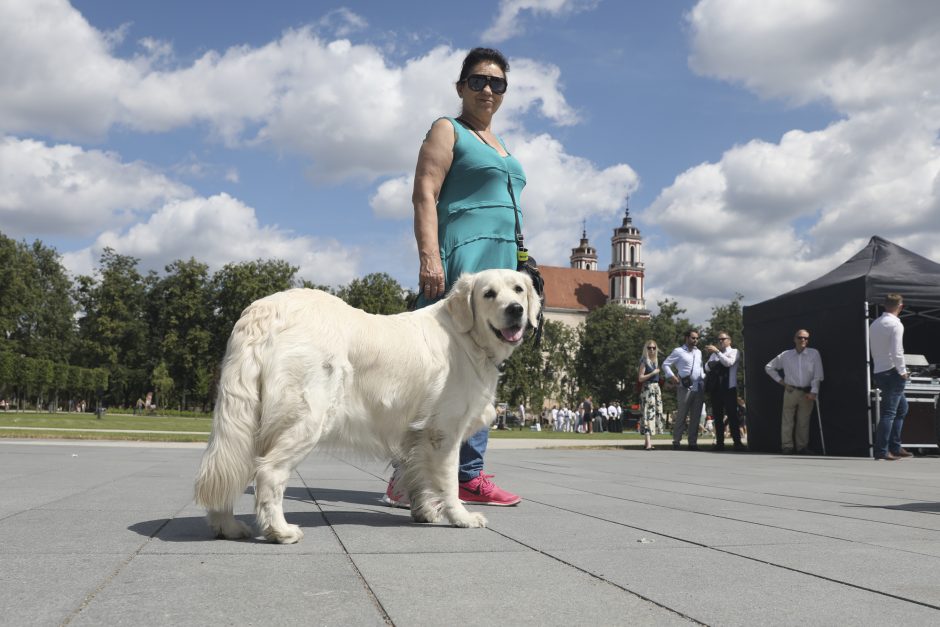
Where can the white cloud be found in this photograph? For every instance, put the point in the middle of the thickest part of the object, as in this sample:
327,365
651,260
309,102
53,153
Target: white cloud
507,23
856,55
774,215
65,189
392,199
343,22
561,191
216,231
369,122
57,74
369,114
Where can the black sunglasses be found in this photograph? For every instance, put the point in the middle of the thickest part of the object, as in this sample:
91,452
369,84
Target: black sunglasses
476,82
802,337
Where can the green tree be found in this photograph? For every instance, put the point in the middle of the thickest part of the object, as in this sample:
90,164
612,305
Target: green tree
609,350
182,310
237,285
162,384
7,367
60,381
523,375
113,330
36,309
668,326
16,293
728,318
376,293
50,325
560,350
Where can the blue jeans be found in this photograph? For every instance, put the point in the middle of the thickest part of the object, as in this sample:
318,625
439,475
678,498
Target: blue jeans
893,411
471,455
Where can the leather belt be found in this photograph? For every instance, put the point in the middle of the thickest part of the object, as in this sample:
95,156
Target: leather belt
790,388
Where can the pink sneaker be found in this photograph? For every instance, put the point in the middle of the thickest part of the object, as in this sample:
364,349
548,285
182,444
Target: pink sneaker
484,492
393,495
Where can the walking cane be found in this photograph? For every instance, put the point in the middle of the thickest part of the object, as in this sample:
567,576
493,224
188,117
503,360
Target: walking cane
822,439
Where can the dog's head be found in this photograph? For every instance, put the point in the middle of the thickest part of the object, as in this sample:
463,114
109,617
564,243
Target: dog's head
494,306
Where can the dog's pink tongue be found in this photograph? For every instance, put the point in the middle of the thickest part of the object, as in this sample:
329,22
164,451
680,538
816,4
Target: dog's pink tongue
512,334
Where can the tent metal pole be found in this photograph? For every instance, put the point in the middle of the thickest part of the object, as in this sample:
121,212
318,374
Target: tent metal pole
822,438
871,446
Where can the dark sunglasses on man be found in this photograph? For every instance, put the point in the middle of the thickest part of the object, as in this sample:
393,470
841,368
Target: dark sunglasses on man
476,82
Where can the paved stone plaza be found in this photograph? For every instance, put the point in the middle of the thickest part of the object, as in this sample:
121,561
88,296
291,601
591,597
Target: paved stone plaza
107,534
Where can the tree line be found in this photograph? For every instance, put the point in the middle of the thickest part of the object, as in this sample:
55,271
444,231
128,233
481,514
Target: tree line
123,333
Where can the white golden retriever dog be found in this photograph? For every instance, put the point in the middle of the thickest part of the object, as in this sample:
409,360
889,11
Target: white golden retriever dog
303,369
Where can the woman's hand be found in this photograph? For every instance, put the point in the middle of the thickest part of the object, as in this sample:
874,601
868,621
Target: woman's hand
431,277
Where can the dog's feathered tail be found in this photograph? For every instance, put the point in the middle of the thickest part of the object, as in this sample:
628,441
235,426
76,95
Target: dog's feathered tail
228,464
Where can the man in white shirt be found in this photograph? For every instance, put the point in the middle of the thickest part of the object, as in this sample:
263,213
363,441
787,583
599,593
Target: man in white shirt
886,340
602,416
722,368
690,390
802,372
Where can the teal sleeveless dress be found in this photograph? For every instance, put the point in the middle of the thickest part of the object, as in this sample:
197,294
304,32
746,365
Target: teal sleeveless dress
476,226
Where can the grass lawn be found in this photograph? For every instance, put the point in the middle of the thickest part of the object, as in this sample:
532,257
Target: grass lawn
82,426
85,421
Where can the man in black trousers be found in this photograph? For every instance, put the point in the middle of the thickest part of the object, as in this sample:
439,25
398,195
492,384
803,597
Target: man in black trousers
722,386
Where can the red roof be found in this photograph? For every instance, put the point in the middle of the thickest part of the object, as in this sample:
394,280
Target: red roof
571,288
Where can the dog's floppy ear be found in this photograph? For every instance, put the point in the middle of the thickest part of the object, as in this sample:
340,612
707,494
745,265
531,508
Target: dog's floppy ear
535,303
460,303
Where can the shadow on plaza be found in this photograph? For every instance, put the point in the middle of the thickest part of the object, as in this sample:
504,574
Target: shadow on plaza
340,507
922,508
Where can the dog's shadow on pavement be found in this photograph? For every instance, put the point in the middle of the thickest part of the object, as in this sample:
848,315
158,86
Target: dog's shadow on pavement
333,507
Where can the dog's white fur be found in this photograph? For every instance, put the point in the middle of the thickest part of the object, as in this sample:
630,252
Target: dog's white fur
303,369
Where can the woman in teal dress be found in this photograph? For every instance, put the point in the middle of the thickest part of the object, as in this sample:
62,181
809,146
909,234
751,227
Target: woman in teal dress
465,218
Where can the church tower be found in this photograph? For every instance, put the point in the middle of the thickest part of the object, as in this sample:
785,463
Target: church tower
584,257
626,271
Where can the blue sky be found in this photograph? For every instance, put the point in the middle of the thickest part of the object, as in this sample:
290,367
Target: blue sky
761,144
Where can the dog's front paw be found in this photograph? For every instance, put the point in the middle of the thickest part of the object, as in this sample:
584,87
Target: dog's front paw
290,534
468,520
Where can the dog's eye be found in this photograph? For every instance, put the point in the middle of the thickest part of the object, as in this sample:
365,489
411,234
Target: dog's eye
489,294
519,289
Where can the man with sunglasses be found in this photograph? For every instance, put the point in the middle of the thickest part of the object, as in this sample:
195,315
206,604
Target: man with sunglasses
802,372
690,388
722,365
886,340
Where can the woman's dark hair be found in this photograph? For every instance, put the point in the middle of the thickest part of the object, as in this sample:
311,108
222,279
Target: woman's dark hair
478,55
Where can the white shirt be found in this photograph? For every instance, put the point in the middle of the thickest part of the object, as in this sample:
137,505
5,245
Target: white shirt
728,358
800,369
688,363
611,411
603,410
886,340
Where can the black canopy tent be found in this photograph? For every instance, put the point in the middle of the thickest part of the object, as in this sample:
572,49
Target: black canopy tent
836,309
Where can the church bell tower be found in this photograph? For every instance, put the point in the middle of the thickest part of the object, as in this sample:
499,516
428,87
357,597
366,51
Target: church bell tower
584,257
626,272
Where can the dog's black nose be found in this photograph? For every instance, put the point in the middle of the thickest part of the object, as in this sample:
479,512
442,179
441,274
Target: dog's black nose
514,310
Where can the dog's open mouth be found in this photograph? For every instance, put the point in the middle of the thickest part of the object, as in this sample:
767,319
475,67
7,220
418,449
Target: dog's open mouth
512,335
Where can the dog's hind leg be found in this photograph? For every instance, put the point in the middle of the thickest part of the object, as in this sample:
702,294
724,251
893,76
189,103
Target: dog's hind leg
273,471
